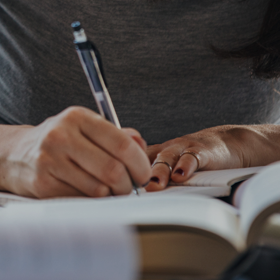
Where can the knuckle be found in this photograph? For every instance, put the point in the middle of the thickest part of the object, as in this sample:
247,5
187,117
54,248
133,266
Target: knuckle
168,154
42,161
72,114
116,171
55,137
154,147
101,191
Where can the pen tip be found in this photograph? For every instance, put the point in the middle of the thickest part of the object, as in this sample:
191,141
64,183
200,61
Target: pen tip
76,25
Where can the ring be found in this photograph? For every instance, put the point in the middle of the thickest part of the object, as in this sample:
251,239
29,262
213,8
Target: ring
164,162
197,157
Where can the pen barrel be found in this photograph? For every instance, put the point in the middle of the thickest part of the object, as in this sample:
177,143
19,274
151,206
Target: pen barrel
98,88
96,82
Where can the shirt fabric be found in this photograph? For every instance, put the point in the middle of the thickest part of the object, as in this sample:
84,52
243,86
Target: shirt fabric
163,77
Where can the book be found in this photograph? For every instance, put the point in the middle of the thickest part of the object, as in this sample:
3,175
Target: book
177,236
71,249
216,183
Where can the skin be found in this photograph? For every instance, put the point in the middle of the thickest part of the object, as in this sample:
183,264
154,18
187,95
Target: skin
76,153
221,147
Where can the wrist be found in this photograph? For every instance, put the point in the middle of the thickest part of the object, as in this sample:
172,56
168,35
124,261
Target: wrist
11,135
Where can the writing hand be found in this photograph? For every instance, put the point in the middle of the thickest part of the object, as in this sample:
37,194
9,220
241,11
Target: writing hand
221,147
76,153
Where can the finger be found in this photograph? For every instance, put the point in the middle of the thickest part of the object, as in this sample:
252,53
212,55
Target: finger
101,165
73,175
136,136
47,186
152,152
161,169
189,162
131,131
119,145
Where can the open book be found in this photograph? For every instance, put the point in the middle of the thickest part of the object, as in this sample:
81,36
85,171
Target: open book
178,235
214,183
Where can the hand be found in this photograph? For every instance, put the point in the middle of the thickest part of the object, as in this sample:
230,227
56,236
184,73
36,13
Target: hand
221,147
76,153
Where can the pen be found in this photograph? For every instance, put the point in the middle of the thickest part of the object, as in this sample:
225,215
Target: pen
91,63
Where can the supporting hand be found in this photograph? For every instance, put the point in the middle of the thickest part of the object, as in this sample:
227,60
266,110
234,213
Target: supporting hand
221,147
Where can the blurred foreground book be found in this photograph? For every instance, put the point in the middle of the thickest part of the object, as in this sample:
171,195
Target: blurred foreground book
151,237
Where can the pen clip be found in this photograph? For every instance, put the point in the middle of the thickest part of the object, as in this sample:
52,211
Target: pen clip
99,61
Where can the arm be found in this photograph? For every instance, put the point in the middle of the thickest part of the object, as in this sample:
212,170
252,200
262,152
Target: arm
76,153
221,147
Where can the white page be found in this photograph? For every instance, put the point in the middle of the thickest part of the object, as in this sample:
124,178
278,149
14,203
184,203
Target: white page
192,210
8,197
214,191
42,249
215,183
219,177
261,191
211,183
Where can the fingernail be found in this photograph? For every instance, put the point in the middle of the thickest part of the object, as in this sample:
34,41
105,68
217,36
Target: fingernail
146,184
179,171
155,179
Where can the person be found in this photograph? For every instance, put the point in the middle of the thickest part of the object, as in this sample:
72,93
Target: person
179,72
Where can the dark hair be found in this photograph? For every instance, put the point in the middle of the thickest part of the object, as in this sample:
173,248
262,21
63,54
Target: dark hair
265,48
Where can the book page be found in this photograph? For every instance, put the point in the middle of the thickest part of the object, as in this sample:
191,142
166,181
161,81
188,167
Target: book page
221,178
32,248
6,197
211,183
259,200
215,183
193,210
213,191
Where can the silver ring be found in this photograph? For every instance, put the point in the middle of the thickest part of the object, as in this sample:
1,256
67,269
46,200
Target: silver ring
164,162
195,155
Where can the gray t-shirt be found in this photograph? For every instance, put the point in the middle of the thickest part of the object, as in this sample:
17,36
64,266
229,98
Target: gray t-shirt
163,78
